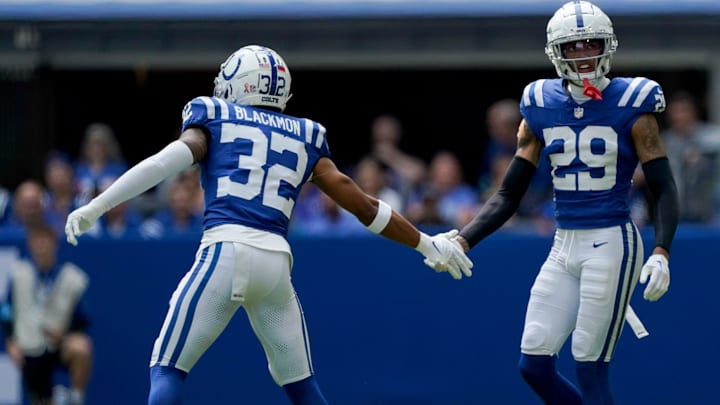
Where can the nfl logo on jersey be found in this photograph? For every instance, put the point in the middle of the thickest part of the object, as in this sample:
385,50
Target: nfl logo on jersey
578,112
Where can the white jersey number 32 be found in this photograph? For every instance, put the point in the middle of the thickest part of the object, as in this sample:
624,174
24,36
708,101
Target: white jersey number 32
255,163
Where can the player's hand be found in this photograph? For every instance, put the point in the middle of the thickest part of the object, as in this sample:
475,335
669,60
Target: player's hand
656,268
80,221
446,254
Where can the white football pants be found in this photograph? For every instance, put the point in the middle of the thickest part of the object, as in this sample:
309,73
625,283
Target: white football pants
584,288
224,277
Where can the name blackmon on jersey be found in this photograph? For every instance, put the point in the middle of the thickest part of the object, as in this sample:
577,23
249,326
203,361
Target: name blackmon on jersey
275,120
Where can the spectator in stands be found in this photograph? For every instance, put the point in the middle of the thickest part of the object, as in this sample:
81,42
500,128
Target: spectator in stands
44,320
406,172
329,220
28,207
100,160
5,205
61,196
120,222
446,199
693,147
503,118
306,209
179,218
317,215
191,178
373,178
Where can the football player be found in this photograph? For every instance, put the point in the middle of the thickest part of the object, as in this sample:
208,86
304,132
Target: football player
254,161
595,130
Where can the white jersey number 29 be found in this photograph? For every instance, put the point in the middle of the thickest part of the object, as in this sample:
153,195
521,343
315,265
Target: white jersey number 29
579,146
255,162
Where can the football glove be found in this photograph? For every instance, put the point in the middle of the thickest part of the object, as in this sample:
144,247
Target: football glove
657,270
80,221
442,253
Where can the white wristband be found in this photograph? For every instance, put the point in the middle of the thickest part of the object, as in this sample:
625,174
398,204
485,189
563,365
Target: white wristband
382,218
425,246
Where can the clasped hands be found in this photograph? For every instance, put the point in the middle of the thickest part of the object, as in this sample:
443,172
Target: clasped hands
447,255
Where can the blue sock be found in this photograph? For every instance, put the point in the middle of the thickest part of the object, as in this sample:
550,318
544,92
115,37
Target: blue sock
542,376
305,392
594,382
166,385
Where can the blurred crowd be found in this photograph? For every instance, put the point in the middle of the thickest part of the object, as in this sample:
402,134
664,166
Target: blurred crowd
173,208
434,194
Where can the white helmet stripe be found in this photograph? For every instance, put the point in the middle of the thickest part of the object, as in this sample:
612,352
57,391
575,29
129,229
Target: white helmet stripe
578,15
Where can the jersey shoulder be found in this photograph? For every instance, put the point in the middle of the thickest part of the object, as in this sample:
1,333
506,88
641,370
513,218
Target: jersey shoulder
200,110
638,93
316,134
542,93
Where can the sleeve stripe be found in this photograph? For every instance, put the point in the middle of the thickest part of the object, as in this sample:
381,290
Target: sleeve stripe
309,130
210,106
629,92
224,109
526,95
539,93
321,136
646,89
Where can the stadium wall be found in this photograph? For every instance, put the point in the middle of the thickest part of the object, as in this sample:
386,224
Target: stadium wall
385,329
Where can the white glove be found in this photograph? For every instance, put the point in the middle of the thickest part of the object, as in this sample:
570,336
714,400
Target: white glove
657,269
442,253
80,221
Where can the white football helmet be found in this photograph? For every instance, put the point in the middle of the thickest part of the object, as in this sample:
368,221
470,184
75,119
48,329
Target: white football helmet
574,21
254,75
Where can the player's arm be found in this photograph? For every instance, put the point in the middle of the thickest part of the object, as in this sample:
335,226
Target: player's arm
380,218
344,191
659,179
171,160
506,200
197,140
660,182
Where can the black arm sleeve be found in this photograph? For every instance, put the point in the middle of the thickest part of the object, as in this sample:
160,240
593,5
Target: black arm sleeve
664,202
503,204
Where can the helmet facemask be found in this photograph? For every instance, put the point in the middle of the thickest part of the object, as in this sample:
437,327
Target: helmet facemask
580,21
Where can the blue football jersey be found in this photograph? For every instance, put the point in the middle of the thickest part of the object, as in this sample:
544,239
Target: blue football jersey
256,163
589,146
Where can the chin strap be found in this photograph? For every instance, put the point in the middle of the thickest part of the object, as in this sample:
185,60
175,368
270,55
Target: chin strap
590,90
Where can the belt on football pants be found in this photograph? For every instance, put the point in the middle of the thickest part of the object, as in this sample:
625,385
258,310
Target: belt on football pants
635,324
